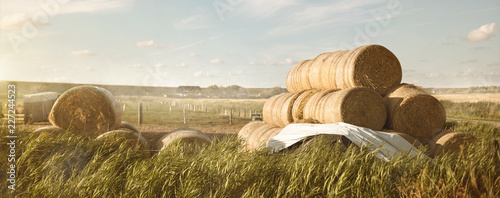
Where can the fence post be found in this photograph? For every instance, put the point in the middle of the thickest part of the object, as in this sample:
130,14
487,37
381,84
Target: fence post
170,108
139,114
185,120
231,117
123,107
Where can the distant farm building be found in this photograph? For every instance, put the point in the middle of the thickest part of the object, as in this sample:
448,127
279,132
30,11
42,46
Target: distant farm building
188,91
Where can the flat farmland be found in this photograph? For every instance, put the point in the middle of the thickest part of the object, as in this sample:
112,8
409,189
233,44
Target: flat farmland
476,97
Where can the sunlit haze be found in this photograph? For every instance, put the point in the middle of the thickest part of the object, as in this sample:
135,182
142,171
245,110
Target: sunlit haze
251,43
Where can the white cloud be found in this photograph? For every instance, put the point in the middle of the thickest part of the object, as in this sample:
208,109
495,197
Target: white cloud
198,21
181,65
433,75
493,64
472,60
136,66
198,73
216,61
89,68
483,33
287,61
150,43
264,62
193,55
239,72
260,9
118,56
90,6
18,20
469,73
44,67
83,53
159,65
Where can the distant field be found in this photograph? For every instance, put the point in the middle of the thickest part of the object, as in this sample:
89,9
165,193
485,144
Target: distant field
477,97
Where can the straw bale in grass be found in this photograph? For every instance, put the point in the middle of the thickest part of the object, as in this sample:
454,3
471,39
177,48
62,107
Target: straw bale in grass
87,110
186,136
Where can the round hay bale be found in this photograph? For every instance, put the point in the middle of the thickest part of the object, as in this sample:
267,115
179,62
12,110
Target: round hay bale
277,109
287,109
268,109
249,128
452,142
266,136
303,73
87,110
292,77
125,134
372,66
298,77
308,121
253,139
300,103
128,125
414,112
413,141
315,70
329,70
51,131
312,104
187,136
358,106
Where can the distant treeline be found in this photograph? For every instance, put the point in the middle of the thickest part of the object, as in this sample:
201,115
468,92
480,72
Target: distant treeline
214,91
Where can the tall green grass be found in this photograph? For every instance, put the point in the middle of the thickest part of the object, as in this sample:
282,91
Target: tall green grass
66,165
472,110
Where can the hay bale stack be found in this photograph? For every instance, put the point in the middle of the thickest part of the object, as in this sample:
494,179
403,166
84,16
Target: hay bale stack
328,70
286,113
310,110
267,110
371,66
187,136
252,142
300,103
125,134
86,110
272,110
249,129
412,111
315,70
298,78
452,142
413,141
359,106
266,136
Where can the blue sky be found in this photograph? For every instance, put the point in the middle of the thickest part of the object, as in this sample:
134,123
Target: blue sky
251,43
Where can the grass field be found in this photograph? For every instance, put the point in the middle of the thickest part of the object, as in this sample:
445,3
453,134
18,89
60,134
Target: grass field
470,97
72,166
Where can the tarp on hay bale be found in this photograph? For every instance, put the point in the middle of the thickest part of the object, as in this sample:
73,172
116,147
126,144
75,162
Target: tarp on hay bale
38,106
385,145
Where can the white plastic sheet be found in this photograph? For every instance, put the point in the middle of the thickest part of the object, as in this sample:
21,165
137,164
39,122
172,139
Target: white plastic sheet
385,145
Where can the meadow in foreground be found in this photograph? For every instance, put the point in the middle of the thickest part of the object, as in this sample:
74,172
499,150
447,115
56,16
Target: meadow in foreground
54,165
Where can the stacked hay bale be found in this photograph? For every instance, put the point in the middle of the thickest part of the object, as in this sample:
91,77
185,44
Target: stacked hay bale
371,66
361,87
